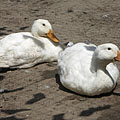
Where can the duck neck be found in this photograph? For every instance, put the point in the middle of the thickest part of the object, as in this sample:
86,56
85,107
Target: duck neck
100,73
36,35
99,66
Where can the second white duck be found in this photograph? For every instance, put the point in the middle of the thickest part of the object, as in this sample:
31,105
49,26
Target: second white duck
25,49
89,70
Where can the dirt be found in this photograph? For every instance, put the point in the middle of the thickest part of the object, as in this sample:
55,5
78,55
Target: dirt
36,93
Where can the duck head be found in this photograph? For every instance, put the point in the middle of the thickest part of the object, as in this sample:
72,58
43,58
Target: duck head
107,52
42,28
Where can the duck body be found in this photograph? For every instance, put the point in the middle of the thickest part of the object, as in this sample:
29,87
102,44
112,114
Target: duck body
22,50
26,49
80,73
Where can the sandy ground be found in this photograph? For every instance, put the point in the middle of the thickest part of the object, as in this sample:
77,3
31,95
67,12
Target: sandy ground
36,93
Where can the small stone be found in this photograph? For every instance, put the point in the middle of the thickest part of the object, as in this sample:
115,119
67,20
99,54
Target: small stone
27,71
69,10
105,16
46,86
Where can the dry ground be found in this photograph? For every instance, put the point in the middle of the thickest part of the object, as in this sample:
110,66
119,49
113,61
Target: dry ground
35,93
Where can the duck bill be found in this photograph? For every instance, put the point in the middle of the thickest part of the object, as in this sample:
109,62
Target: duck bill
52,37
118,56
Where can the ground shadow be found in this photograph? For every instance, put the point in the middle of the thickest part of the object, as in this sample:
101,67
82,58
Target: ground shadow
4,70
14,90
23,28
48,74
111,114
2,33
12,118
15,0
37,97
115,93
9,112
1,77
9,30
92,110
3,28
58,117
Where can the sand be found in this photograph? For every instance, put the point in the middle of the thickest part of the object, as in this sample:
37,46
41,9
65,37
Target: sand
36,93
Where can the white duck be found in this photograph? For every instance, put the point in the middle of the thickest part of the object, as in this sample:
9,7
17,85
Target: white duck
89,70
25,49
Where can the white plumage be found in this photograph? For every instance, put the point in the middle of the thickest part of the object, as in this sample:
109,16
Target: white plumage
89,70
25,49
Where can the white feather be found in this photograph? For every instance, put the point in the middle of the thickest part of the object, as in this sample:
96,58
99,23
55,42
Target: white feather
25,49
80,73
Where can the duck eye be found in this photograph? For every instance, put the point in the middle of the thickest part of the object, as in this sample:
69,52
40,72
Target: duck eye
43,24
109,48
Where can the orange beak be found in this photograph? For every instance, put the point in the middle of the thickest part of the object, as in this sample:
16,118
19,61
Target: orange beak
52,37
118,56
